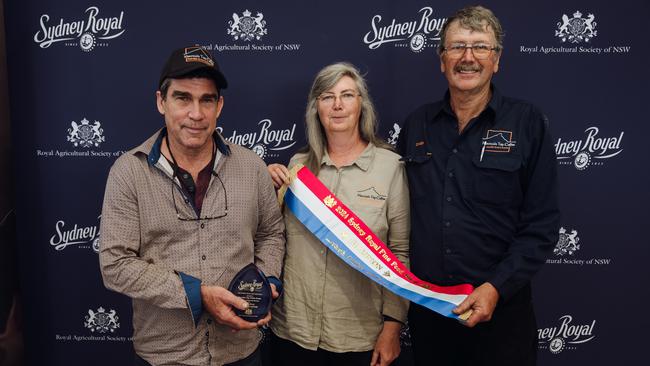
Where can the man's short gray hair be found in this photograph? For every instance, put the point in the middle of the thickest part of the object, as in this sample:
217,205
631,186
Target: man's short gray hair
475,18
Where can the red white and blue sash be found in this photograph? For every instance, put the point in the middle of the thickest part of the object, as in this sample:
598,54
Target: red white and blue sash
340,230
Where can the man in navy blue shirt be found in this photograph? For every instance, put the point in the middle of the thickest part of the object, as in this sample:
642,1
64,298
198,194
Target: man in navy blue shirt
484,208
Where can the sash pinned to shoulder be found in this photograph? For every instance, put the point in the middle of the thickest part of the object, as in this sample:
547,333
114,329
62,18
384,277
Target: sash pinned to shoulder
344,233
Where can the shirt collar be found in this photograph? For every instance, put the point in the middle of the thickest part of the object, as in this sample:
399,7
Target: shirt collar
492,107
151,147
363,161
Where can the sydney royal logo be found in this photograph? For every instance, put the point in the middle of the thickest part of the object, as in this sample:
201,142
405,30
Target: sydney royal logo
414,34
567,243
267,141
566,336
576,29
102,321
86,135
65,236
92,31
591,151
246,27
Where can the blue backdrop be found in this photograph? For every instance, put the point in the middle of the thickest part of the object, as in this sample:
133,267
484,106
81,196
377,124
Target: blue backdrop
83,77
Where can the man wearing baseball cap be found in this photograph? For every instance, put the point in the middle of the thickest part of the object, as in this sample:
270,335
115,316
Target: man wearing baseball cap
183,213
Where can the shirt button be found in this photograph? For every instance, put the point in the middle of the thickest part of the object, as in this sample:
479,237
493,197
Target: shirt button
187,201
451,174
447,224
454,150
448,198
202,225
207,334
448,251
185,176
203,257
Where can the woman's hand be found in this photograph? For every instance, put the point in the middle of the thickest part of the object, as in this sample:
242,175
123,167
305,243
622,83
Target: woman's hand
279,174
387,346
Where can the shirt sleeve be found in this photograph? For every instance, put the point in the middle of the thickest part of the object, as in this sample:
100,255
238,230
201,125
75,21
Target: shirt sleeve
537,229
269,237
122,268
398,214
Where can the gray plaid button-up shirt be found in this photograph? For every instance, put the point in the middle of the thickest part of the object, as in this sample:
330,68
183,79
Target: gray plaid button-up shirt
147,253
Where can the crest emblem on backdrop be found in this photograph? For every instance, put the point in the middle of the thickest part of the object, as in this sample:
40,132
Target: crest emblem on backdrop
246,27
567,243
87,41
101,321
576,29
260,150
393,134
582,160
86,135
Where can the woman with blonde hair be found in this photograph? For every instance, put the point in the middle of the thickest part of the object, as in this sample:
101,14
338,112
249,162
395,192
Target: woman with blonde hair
331,314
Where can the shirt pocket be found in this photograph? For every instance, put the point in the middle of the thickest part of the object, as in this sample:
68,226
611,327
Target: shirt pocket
496,180
418,171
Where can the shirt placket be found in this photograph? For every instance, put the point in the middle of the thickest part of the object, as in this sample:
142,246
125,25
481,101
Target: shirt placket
449,195
334,185
204,256
451,212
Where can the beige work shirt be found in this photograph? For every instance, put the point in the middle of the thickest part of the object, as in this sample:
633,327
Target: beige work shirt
144,246
326,303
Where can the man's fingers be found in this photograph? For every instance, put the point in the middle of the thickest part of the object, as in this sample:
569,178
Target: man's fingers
233,321
464,306
464,316
279,174
277,181
274,292
282,172
474,319
265,321
219,302
375,358
242,324
476,316
229,298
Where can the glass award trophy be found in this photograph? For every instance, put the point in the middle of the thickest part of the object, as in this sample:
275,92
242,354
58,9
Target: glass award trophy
251,285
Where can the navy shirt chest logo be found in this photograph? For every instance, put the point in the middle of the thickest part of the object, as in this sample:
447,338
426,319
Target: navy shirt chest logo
497,141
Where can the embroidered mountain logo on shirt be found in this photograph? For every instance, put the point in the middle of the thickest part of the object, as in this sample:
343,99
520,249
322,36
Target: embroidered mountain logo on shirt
372,194
498,141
